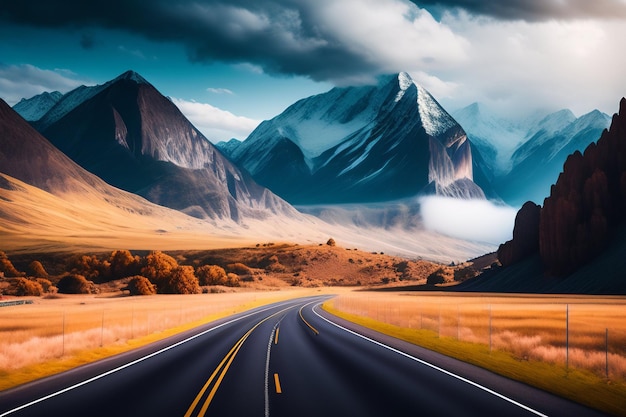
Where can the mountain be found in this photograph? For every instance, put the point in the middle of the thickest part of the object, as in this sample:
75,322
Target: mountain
361,144
523,156
494,137
227,148
578,237
48,202
540,159
134,138
34,108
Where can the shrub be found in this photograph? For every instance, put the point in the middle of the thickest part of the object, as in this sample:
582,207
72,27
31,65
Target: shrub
139,285
124,264
182,280
37,270
26,287
331,242
466,273
239,268
158,266
437,277
91,268
74,284
46,285
233,280
7,267
212,275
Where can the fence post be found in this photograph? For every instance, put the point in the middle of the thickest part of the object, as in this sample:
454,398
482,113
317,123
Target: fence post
63,336
567,336
489,328
102,329
606,351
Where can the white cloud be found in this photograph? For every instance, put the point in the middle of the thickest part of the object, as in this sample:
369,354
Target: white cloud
219,90
214,123
392,35
517,66
475,220
25,81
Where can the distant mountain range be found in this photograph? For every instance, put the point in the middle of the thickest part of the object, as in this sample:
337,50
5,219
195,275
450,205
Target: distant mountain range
134,138
576,241
362,144
129,135
523,158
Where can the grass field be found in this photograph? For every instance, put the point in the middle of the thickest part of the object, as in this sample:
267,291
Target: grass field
55,334
558,343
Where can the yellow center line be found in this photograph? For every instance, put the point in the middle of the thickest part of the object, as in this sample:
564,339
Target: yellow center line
306,322
277,383
224,365
276,336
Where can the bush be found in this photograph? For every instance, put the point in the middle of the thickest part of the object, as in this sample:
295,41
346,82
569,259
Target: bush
437,277
158,266
239,269
233,280
466,273
37,270
74,284
212,275
331,242
139,285
91,268
182,280
25,287
124,264
7,268
46,285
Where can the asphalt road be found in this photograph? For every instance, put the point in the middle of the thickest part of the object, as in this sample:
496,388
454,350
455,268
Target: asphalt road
287,359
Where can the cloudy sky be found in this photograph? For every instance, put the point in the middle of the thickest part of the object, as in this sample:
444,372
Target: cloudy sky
230,64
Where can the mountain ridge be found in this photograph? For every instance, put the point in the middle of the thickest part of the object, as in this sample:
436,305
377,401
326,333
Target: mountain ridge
361,144
157,153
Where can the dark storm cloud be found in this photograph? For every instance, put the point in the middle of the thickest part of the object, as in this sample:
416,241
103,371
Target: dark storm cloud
533,10
283,37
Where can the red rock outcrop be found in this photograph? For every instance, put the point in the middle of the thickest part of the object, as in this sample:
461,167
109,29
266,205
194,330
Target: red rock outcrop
525,240
587,202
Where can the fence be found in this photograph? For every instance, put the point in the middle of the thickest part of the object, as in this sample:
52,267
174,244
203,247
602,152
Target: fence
581,332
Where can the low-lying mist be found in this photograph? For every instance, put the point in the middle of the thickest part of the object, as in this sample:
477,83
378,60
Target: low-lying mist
476,220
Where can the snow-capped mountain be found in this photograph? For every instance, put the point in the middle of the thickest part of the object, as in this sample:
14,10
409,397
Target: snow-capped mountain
540,159
495,138
133,137
361,144
229,147
523,157
34,108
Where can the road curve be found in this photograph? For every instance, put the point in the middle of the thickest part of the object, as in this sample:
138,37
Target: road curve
286,359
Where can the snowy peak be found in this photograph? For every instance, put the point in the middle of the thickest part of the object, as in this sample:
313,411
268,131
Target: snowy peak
361,144
435,119
131,76
34,108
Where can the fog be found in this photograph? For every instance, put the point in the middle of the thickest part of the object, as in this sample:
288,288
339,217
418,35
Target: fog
476,220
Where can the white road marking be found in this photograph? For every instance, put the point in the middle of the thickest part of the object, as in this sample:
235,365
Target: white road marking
136,361
460,378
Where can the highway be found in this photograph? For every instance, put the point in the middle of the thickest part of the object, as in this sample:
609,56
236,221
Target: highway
287,359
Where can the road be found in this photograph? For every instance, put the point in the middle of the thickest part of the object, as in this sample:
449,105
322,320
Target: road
286,359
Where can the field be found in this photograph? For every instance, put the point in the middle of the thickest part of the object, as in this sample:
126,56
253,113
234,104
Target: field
572,345
55,334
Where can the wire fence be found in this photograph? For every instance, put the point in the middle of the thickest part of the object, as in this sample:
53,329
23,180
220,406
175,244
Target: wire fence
579,332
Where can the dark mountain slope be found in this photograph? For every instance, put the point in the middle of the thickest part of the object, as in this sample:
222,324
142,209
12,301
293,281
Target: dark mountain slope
136,139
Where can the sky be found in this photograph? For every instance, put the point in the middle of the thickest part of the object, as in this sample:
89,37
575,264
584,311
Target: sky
230,64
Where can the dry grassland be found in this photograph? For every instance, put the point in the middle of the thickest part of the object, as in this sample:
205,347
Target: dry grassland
564,330
53,330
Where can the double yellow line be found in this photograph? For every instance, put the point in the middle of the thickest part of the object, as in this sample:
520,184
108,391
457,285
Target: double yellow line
221,369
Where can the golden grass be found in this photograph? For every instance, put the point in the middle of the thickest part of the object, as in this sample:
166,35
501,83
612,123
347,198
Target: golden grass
521,337
54,335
